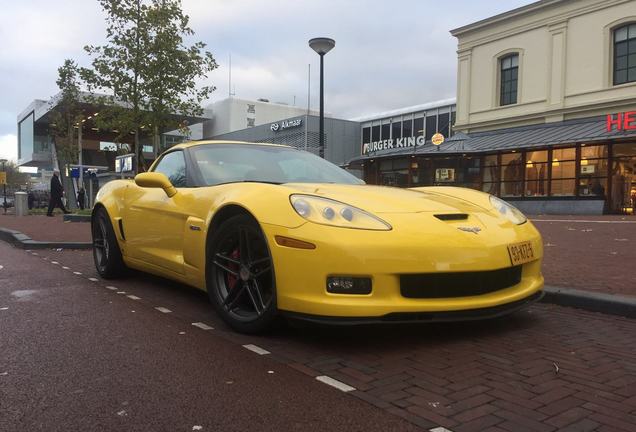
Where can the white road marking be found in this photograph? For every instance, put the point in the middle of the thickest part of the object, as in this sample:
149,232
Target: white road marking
335,383
77,273
121,292
65,268
197,428
93,280
1,267
133,297
182,333
4,308
112,288
258,350
202,326
440,429
584,221
163,309
54,262
35,253
4,373
270,372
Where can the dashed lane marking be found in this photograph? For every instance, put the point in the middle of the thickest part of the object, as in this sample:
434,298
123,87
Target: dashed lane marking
121,292
65,268
440,429
93,280
112,288
163,309
133,297
77,273
4,308
1,267
254,348
54,262
335,383
202,326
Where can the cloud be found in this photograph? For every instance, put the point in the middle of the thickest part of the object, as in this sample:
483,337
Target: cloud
388,54
9,147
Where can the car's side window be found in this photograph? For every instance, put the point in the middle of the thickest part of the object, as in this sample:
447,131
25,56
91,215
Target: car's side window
174,167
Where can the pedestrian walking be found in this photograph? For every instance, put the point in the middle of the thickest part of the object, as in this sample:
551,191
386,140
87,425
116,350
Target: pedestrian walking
57,192
81,198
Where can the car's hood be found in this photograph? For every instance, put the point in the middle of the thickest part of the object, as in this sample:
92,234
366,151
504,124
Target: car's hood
382,199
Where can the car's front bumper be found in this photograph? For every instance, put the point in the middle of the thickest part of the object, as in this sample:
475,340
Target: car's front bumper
383,256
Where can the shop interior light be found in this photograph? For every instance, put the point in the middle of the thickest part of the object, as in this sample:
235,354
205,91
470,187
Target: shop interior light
584,161
529,163
555,162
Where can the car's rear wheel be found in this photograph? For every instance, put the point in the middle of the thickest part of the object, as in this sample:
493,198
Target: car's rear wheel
106,253
240,275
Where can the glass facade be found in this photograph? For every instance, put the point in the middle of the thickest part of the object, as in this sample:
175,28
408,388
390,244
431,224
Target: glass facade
25,138
585,171
414,124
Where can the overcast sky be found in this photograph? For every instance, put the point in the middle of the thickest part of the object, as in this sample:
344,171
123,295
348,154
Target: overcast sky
388,54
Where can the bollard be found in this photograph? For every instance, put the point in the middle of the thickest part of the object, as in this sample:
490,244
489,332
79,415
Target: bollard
21,204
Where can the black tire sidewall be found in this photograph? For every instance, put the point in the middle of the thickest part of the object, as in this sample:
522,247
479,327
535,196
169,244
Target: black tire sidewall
114,265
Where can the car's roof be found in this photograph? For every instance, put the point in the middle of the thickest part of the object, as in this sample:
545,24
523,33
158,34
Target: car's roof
206,142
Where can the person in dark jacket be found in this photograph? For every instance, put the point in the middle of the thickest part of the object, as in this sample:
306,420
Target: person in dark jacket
81,198
57,192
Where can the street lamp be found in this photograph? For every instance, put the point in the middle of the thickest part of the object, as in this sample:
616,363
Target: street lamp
4,184
322,46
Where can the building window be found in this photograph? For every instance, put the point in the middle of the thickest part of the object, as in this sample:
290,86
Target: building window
386,130
625,54
366,135
418,127
431,127
407,128
375,133
511,174
396,129
536,173
563,166
509,78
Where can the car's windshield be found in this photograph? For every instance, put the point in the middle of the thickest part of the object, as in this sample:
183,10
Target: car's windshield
228,163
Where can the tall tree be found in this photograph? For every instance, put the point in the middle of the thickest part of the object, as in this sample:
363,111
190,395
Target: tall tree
67,112
146,68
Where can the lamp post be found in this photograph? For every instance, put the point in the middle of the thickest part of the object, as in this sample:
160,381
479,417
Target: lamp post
4,184
322,46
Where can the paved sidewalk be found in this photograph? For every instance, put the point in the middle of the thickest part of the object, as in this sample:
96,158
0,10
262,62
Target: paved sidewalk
590,253
43,228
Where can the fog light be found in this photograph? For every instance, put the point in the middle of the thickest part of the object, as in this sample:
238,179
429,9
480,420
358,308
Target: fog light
348,285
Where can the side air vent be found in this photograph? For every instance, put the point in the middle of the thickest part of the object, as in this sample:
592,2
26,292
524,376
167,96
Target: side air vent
452,216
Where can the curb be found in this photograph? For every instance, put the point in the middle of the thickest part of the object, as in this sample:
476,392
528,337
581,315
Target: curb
76,218
23,241
612,304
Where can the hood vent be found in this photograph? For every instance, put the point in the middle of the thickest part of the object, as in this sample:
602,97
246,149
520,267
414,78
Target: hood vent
452,216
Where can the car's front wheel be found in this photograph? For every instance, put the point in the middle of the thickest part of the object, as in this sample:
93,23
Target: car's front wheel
240,275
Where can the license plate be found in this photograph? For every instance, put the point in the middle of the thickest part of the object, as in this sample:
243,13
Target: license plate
521,253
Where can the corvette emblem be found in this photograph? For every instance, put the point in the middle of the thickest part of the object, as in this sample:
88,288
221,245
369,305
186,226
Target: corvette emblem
474,230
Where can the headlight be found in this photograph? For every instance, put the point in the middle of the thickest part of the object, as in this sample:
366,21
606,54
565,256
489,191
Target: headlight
508,211
329,212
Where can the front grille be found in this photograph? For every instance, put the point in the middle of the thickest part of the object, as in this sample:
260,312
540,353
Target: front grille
458,284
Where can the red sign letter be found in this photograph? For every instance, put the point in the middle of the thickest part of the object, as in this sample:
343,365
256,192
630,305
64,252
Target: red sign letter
618,122
628,120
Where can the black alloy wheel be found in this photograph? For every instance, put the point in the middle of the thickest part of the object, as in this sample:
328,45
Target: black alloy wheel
240,274
106,252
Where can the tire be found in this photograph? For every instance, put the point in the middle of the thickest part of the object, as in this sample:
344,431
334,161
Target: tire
106,252
240,275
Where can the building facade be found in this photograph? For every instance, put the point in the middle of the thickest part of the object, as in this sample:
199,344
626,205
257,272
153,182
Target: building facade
545,111
341,137
234,114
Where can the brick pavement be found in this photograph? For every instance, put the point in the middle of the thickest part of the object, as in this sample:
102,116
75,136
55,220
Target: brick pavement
546,368
43,228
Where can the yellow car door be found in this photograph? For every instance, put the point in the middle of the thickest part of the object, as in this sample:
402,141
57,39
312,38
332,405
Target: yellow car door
154,223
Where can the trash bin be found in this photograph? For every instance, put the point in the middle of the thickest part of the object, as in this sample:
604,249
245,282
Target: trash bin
21,204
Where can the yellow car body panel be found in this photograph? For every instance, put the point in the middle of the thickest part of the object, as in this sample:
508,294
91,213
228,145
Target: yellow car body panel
167,236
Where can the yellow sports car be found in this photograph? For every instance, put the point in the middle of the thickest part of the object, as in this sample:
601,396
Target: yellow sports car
267,229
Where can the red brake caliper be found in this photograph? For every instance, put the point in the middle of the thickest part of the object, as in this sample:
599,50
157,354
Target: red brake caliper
231,279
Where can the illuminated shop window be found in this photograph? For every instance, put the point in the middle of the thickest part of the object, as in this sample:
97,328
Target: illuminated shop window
536,173
512,174
563,166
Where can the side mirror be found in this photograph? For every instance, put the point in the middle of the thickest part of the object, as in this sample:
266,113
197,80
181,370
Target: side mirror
155,180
